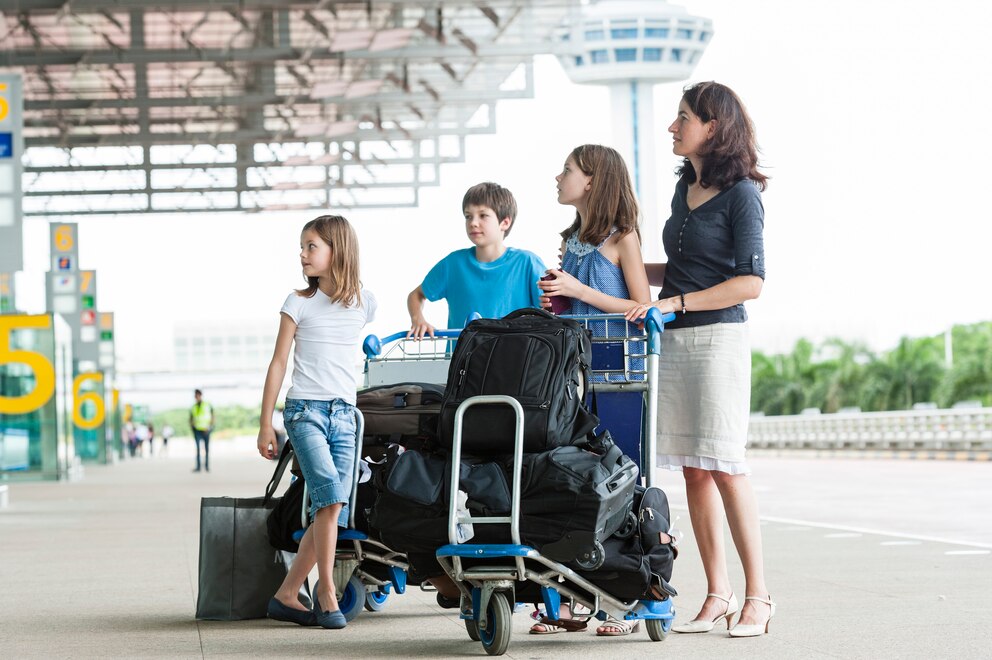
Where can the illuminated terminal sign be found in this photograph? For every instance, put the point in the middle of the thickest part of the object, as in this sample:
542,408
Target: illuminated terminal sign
11,148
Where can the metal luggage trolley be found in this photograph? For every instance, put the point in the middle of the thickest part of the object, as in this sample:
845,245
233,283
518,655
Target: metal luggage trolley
404,360
354,584
410,360
487,586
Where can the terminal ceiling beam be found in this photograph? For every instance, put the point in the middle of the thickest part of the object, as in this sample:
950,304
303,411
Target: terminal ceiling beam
373,96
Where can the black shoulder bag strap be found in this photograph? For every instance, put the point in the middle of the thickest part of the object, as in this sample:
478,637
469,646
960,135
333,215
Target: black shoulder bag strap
284,460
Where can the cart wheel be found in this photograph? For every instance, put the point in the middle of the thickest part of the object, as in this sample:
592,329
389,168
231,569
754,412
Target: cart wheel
628,527
495,637
351,600
592,559
472,627
658,629
375,600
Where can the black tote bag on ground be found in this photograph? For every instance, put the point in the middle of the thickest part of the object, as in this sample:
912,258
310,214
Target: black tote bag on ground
239,571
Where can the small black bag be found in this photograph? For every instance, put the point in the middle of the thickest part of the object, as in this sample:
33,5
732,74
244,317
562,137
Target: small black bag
286,518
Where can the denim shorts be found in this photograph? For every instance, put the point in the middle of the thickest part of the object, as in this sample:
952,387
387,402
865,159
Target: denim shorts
323,438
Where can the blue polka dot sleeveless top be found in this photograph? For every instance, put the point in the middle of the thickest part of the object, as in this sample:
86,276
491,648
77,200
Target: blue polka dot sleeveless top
586,263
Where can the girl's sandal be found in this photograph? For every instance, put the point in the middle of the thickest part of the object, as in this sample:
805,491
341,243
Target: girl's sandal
546,626
545,629
616,628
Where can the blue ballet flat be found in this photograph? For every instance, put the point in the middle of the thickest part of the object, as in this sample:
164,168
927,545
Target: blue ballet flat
280,612
331,620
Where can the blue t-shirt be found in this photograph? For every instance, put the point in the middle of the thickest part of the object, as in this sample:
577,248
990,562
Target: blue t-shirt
492,289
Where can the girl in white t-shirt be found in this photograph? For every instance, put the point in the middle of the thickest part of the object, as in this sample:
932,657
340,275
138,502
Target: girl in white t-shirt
324,320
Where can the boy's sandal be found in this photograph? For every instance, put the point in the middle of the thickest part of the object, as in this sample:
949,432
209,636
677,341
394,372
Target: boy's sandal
619,628
551,626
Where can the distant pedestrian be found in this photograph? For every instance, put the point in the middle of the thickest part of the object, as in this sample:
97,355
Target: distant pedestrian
130,438
140,435
167,432
201,421
151,438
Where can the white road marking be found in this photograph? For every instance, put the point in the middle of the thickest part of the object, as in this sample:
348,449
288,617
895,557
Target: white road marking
878,532
968,552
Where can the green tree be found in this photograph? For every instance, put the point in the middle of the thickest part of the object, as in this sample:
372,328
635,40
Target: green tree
908,374
971,376
780,384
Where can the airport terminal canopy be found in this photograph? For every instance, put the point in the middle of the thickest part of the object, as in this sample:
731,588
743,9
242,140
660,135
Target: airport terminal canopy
144,106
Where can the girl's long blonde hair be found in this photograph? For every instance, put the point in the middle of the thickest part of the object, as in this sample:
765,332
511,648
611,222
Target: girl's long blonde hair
610,201
343,274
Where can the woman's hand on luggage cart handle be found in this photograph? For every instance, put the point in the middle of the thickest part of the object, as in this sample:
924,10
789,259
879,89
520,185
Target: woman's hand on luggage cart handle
637,313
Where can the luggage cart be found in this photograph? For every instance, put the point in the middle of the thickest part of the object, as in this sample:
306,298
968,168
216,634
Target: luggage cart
487,574
392,360
410,360
356,581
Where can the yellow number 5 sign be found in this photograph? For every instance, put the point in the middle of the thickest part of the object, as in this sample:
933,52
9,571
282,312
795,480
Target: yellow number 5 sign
44,372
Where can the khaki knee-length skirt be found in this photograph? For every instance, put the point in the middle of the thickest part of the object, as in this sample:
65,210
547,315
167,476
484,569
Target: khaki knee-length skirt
704,397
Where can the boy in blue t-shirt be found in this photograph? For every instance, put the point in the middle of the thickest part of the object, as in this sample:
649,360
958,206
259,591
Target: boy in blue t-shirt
491,278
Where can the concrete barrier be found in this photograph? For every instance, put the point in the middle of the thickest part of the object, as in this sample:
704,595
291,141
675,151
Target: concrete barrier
946,430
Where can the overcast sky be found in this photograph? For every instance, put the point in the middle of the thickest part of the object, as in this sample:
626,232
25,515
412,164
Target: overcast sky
873,118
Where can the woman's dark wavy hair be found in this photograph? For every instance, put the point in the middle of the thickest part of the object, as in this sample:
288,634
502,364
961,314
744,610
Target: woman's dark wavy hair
732,153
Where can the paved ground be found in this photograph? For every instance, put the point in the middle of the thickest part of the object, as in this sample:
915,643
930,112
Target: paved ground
880,559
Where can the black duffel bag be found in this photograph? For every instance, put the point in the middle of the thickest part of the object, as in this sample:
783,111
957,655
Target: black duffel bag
410,513
538,358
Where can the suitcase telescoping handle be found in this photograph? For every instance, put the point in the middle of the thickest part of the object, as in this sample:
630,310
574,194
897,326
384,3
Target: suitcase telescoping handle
622,477
529,311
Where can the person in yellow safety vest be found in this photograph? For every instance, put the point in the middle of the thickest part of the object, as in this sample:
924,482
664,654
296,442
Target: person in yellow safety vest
201,421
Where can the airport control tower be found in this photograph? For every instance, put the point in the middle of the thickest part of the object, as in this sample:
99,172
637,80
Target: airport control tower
630,45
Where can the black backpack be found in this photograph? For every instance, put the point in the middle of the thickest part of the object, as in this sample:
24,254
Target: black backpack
532,355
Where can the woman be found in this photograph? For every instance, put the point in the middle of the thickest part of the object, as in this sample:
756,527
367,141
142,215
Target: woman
715,250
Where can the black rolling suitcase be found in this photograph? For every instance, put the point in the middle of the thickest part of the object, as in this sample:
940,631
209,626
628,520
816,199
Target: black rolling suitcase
639,565
573,500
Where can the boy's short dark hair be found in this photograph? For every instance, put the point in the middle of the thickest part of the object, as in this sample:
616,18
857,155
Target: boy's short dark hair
496,197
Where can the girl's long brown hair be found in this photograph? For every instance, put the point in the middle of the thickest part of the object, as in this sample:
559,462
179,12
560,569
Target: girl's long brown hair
732,153
610,201
346,286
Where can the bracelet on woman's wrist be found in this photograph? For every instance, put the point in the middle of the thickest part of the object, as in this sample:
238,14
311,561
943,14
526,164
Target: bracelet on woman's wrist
682,297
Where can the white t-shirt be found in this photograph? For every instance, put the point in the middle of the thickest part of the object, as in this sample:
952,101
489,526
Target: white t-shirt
328,337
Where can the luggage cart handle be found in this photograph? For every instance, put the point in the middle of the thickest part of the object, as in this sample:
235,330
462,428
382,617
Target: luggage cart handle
372,346
456,454
654,323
